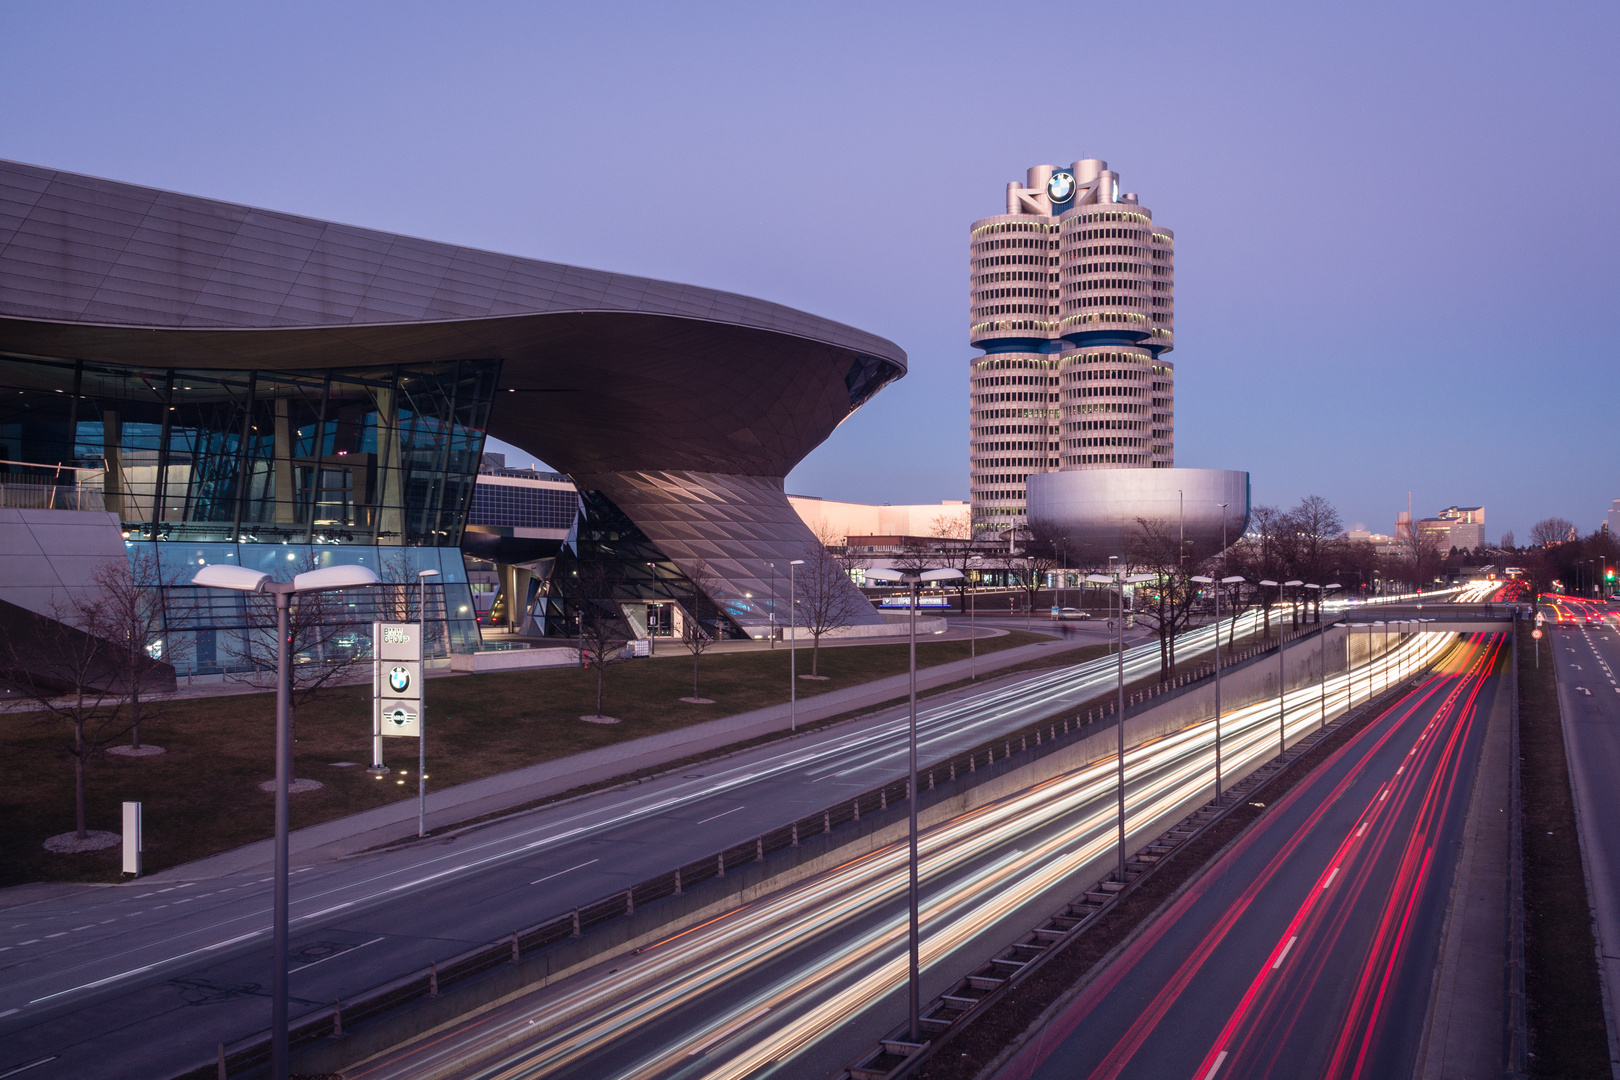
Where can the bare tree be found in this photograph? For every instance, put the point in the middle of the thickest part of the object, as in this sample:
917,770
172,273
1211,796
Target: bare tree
1037,559
824,598
133,617
1550,531
1156,548
1506,543
955,551
1313,527
701,623
1419,555
328,644
64,665
603,629
1260,555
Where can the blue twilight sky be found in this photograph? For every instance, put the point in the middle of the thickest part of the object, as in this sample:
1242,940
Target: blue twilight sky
1396,223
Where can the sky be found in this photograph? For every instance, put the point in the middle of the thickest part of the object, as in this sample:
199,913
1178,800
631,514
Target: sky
1395,224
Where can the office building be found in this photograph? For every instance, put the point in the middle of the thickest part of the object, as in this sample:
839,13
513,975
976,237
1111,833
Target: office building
1073,395
1073,309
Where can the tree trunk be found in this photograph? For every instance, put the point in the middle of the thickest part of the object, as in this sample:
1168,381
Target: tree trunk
600,668
1265,612
695,673
78,770
815,654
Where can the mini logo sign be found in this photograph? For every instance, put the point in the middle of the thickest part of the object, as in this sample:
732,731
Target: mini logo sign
399,679
396,635
398,717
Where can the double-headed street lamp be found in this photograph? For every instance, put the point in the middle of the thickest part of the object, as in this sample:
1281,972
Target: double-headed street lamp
973,623
1121,581
793,645
241,579
1235,579
913,579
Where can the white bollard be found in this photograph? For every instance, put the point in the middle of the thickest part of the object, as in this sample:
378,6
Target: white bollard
132,839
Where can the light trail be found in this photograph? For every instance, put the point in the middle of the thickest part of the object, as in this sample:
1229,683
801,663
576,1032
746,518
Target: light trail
835,944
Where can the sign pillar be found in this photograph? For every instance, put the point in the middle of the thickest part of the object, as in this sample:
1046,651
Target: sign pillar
396,686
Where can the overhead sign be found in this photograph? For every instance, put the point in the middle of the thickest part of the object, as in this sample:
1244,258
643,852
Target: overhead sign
397,679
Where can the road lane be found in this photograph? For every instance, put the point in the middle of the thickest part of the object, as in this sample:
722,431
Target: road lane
137,954
1307,949
789,984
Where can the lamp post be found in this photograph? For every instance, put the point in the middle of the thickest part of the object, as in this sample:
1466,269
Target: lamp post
421,719
1121,581
793,645
913,579
1234,579
773,603
241,579
973,624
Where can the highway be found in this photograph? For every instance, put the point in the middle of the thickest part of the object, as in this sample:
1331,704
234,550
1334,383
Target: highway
795,983
1308,948
147,960
1584,646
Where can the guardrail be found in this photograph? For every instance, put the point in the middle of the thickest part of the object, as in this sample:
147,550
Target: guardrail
461,968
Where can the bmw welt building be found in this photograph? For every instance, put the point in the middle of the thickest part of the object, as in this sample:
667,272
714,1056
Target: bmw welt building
214,383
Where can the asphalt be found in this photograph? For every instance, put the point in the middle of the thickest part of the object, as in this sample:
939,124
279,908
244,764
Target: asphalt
146,978
1587,661
1309,947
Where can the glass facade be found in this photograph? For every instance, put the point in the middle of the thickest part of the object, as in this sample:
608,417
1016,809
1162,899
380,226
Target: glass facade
276,470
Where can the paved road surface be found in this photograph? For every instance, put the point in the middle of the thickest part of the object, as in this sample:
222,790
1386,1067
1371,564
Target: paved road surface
1586,655
796,983
146,979
1309,948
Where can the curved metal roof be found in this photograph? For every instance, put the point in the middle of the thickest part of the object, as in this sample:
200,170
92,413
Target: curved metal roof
80,250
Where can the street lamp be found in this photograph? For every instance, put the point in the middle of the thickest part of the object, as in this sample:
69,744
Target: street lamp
241,579
913,579
793,646
421,718
1202,580
973,623
1119,725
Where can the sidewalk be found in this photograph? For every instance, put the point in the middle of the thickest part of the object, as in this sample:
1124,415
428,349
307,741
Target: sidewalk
493,794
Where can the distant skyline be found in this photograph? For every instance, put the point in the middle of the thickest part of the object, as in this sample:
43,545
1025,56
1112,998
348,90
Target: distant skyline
1395,229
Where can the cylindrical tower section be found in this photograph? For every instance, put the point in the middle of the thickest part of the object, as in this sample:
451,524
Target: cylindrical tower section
1014,282
1108,273
1013,434
1107,396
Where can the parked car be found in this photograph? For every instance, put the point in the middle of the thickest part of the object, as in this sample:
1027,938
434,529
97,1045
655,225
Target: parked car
1069,614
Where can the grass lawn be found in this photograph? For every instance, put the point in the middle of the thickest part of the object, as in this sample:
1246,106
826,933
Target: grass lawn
202,796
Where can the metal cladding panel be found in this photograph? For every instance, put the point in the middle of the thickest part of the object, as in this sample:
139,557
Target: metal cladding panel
1096,510
61,233
736,526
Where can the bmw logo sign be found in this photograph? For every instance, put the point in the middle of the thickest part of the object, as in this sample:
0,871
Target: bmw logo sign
399,679
399,717
1061,187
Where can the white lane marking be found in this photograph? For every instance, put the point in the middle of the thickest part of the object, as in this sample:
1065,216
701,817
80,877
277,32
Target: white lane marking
717,817
560,873
729,1030
86,926
1363,830
59,933
1284,954
334,956
1330,878
1220,1059
30,1065
1382,795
